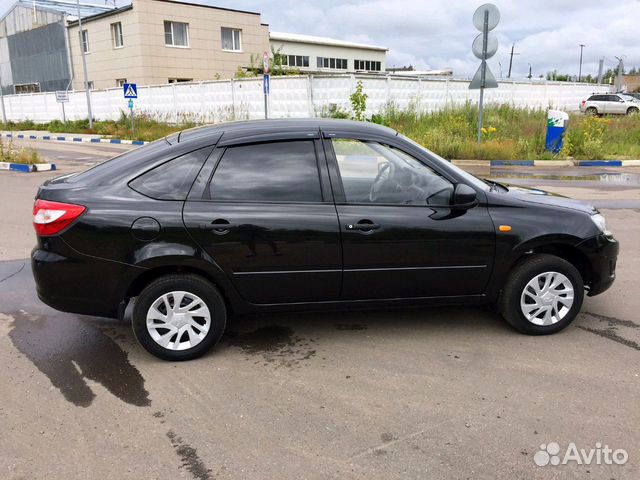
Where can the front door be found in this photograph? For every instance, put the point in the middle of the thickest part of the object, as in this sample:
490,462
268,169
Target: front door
268,220
394,244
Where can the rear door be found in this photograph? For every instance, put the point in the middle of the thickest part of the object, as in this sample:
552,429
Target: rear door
267,218
614,105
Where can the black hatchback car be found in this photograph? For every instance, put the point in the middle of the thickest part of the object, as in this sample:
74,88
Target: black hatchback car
298,214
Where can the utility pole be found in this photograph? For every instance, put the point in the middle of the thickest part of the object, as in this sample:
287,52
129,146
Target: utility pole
582,45
620,70
511,59
529,71
84,66
4,114
600,70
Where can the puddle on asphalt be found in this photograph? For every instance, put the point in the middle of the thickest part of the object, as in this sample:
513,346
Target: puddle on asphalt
276,345
612,178
69,351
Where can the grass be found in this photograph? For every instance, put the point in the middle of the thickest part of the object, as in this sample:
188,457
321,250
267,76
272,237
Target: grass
514,134
23,155
146,128
509,134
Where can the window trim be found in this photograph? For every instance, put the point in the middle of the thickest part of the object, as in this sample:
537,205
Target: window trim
220,151
173,44
233,41
84,41
114,36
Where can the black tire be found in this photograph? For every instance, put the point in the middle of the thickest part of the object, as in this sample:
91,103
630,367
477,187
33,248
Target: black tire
521,275
192,284
591,112
633,111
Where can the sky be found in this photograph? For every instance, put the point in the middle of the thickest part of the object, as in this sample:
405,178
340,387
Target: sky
432,34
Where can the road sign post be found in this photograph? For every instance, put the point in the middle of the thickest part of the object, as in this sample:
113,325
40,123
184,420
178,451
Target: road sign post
484,46
266,80
130,91
62,97
131,110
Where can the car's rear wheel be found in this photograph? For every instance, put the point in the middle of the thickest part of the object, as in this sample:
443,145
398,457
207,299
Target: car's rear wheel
591,111
633,111
179,317
543,295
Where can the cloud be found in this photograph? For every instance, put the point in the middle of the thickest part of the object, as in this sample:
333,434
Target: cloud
438,34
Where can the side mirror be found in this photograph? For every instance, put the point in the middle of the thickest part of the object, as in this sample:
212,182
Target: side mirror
464,197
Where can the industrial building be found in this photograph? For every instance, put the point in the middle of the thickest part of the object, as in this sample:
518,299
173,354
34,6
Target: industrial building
34,46
312,54
154,42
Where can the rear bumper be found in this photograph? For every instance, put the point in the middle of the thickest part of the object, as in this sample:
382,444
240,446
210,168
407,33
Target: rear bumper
72,282
602,253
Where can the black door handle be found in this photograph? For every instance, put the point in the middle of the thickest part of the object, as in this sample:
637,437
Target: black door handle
363,226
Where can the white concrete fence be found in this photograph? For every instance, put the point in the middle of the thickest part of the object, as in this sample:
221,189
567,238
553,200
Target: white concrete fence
292,96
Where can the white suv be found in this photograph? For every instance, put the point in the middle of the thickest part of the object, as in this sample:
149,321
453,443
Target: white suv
610,104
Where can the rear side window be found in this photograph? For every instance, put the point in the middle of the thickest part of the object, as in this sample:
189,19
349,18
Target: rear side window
173,179
597,98
267,172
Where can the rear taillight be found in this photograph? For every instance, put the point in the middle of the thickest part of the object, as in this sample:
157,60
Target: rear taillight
50,218
584,102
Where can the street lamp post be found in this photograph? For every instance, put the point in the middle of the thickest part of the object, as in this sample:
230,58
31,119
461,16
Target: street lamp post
84,67
582,45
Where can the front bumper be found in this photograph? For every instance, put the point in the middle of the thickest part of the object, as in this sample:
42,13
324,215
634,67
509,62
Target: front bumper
602,253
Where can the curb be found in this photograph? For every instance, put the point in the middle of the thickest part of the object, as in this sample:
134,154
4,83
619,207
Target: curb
549,163
54,138
23,167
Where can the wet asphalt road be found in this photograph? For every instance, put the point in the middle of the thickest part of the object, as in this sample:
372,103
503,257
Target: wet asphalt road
409,393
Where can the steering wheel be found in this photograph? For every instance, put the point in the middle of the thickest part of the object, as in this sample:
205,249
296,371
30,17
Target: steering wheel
379,182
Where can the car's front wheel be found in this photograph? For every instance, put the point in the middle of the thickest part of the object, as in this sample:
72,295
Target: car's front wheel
179,317
633,111
543,295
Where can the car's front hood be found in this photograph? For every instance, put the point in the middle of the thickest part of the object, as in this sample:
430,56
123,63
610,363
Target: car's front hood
534,195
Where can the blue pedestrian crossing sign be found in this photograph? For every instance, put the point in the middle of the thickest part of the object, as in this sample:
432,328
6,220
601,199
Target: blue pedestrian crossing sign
130,90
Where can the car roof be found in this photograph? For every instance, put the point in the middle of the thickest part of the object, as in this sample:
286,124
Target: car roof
277,126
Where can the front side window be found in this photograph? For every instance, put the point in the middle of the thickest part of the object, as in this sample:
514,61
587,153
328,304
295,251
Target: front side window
173,179
375,173
116,35
231,39
267,172
85,41
176,34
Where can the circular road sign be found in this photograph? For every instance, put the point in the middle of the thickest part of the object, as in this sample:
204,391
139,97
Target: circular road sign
494,16
492,46
265,62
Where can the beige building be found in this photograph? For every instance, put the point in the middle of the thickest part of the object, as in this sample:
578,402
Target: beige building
152,42
309,53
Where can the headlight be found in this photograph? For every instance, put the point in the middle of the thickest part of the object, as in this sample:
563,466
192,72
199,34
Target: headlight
601,223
